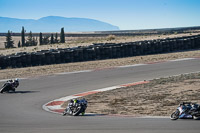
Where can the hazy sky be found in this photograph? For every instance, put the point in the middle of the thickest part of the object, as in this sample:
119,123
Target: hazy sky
127,14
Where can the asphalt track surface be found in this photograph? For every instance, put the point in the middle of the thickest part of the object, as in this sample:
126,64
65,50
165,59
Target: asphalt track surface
22,112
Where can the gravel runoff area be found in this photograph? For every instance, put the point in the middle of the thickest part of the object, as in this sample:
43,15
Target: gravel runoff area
159,97
91,65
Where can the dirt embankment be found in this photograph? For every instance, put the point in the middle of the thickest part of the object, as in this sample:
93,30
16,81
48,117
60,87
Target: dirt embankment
70,67
160,97
83,41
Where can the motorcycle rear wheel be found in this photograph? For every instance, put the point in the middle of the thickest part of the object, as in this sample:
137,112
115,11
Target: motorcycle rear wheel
196,117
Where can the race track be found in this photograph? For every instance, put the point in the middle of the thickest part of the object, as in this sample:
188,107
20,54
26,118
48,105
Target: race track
22,112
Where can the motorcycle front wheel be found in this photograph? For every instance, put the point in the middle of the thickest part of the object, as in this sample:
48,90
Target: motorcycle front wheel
175,115
77,111
4,89
64,113
1,91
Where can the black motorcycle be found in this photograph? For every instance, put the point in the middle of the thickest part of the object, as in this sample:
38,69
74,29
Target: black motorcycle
10,85
76,107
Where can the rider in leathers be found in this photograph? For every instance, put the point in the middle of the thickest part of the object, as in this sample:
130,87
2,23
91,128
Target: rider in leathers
14,84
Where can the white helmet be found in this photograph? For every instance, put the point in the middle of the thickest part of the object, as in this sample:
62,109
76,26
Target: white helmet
16,80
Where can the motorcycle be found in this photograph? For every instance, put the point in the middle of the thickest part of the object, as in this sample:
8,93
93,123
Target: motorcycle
186,110
76,107
9,85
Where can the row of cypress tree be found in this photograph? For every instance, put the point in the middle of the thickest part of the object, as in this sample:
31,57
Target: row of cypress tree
9,42
33,41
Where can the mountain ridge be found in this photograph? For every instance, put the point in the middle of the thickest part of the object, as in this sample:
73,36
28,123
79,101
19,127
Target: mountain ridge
54,24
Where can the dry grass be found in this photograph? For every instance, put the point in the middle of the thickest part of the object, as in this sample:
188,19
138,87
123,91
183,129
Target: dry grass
85,41
69,67
160,97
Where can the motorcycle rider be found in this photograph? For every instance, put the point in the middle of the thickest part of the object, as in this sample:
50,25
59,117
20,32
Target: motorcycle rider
76,101
187,108
195,105
73,103
14,83
10,85
70,105
84,101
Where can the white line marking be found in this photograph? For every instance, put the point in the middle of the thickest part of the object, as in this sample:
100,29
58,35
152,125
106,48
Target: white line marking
158,117
108,88
65,73
54,107
67,98
131,65
184,59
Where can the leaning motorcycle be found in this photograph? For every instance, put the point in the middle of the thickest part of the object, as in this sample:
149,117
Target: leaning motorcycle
75,109
10,85
7,87
186,110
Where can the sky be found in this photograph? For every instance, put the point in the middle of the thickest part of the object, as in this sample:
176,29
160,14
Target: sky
126,14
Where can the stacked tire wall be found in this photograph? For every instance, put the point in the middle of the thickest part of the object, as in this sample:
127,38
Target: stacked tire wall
99,51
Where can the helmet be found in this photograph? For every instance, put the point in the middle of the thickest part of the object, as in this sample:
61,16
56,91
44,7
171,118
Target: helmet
194,105
75,100
16,80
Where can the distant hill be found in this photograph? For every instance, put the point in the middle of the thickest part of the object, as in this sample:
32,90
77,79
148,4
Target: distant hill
54,24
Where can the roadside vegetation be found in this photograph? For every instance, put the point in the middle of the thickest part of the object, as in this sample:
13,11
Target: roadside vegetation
33,40
159,97
89,65
53,41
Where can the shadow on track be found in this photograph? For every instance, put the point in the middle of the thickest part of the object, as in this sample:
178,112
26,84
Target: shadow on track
21,92
94,115
87,115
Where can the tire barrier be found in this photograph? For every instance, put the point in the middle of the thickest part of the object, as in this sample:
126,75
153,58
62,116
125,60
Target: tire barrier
99,51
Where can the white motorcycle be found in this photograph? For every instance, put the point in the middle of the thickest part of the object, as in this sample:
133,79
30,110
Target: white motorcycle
186,110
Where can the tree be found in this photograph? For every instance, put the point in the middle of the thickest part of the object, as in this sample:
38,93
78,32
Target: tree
52,39
9,43
31,41
45,40
23,37
41,39
35,41
19,44
56,38
62,36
